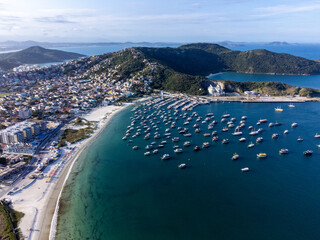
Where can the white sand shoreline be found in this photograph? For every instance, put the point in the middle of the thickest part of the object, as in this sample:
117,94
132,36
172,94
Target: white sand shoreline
91,117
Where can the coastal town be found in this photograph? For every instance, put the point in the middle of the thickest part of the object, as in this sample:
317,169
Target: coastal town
40,104
48,114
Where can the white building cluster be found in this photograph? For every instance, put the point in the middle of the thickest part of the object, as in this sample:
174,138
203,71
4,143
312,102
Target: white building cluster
21,132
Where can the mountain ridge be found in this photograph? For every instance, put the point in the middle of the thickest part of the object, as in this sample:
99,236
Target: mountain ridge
34,55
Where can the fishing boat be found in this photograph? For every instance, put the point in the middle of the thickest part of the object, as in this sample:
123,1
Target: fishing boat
165,157
186,144
225,141
237,133
215,138
235,156
291,105
246,169
135,147
260,130
196,148
261,155
253,133
178,150
175,139
283,151
242,139
182,165
251,145
147,153
149,147
294,124
308,152
205,145
225,129
214,133
317,135
278,109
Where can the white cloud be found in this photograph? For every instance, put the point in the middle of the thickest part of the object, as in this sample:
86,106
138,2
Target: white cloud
285,9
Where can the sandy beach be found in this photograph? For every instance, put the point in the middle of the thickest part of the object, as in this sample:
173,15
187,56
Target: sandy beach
39,199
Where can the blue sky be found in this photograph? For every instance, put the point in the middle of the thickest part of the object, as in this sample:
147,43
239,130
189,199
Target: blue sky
165,20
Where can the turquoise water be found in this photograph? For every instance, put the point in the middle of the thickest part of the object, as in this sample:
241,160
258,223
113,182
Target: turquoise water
312,81
117,193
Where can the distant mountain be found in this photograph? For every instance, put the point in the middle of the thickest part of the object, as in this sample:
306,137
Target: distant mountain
34,55
205,58
278,43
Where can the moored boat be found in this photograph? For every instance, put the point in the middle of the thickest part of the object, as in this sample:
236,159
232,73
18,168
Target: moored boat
242,139
205,145
317,135
196,148
259,139
308,152
251,145
182,165
291,105
275,136
246,169
147,153
225,141
261,155
178,150
235,156
283,151
165,157
278,109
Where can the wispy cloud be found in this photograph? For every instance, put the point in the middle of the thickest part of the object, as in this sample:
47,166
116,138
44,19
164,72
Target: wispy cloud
285,9
55,19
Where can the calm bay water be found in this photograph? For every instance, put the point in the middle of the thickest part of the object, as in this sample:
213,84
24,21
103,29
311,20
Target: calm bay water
117,193
312,81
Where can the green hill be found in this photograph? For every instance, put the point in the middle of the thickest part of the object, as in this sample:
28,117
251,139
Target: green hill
34,55
205,58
